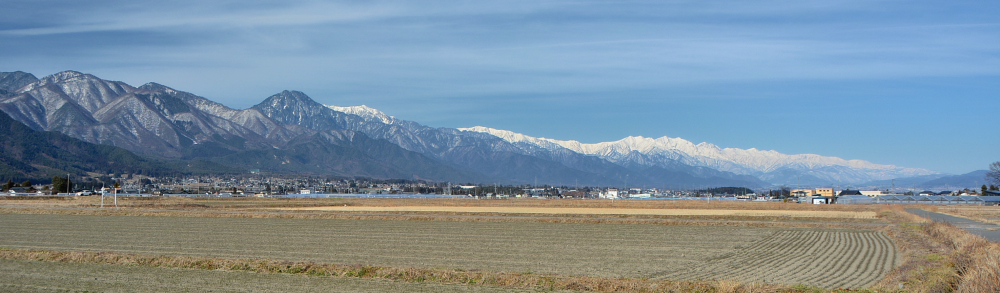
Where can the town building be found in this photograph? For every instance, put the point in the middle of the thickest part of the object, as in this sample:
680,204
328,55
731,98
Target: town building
610,193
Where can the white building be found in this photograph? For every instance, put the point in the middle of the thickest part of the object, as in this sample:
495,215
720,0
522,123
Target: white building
873,193
610,193
820,200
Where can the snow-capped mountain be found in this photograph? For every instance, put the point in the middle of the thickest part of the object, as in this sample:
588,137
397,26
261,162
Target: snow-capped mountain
771,165
290,132
368,113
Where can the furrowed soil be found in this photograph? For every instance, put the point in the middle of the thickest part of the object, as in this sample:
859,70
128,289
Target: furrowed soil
604,250
600,211
43,276
826,259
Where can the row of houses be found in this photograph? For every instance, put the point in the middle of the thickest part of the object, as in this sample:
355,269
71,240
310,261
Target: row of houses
829,192
990,199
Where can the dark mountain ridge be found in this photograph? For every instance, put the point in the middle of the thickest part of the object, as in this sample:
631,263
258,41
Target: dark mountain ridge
28,154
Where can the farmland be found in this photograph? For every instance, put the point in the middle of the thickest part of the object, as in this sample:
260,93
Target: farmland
601,211
602,250
589,249
985,214
826,259
595,245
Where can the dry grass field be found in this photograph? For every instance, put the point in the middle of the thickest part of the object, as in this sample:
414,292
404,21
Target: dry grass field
263,203
601,250
986,214
579,249
532,244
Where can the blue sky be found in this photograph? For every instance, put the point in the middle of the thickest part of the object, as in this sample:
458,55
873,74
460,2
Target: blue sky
909,83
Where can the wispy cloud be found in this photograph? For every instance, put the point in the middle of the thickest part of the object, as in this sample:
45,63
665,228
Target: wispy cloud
440,60
561,44
171,15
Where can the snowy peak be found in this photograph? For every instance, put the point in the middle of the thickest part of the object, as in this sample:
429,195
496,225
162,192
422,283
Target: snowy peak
66,76
507,135
613,148
366,112
517,138
665,150
72,79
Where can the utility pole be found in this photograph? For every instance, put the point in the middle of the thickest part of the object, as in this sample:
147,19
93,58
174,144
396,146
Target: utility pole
626,184
115,192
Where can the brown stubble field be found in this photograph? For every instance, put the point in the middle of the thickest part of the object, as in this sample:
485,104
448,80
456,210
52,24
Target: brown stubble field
251,203
603,250
509,210
615,252
986,214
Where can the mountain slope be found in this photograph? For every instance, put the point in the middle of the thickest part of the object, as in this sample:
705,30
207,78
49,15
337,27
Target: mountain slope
11,81
345,153
26,153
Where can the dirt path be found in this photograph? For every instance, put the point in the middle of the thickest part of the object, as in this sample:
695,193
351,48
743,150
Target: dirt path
989,231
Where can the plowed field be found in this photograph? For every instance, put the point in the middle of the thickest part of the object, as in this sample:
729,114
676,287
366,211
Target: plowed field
825,259
599,211
820,257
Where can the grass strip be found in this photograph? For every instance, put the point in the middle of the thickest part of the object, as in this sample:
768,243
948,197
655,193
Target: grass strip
939,257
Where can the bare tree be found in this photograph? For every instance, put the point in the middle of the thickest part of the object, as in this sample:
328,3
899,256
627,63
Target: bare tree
994,174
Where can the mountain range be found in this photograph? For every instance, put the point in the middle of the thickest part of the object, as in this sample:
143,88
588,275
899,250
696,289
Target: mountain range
291,133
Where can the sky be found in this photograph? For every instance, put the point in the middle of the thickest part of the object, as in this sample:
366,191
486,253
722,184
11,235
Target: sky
907,83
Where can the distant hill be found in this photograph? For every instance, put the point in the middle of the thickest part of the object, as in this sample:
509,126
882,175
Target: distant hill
972,180
968,180
903,182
